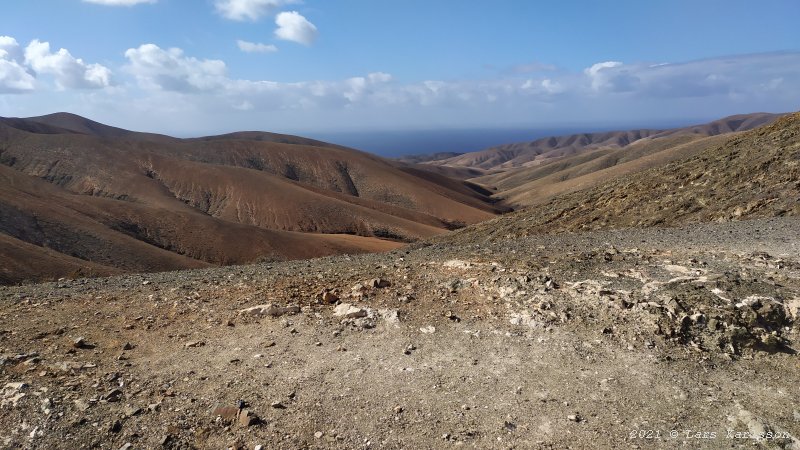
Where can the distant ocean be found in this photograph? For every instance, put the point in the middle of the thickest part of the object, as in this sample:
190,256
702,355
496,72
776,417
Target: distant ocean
414,142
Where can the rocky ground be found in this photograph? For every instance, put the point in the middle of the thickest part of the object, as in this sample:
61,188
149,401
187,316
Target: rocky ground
659,338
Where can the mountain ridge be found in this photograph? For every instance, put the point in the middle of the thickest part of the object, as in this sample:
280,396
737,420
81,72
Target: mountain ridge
259,195
751,175
534,152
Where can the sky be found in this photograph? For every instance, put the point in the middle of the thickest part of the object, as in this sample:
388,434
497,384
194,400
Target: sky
317,67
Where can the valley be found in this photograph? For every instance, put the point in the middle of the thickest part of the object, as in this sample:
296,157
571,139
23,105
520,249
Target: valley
80,198
656,309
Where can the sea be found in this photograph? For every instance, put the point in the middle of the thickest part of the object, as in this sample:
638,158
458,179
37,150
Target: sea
396,143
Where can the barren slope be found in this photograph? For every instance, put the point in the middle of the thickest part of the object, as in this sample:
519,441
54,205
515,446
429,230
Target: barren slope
754,174
572,174
24,262
135,237
506,334
541,150
147,202
562,341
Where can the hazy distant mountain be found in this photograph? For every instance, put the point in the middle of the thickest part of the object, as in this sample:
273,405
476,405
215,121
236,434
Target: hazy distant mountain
526,174
536,152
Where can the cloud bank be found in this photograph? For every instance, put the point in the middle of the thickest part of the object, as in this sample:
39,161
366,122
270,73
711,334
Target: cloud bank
153,85
610,85
69,72
169,70
14,78
20,68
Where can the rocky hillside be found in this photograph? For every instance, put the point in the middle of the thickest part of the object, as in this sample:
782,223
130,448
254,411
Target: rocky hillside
531,186
79,197
754,174
534,330
593,340
541,150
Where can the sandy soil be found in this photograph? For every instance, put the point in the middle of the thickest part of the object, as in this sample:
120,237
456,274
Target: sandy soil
626,339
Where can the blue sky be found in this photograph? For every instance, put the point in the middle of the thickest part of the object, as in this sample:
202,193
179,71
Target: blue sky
189,67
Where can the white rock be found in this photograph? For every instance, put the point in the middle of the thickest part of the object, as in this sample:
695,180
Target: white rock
718,292
430,329
677,269
753,300
270,310
349,311
457,264
12,394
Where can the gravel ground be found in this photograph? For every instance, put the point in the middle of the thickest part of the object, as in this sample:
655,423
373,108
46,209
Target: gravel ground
656,338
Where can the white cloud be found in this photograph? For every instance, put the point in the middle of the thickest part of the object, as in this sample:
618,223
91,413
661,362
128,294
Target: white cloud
294,27
379,77
256,47
242,10
199,95
11,47
610,76
553,87
596,68
603,84
20,68
13,76
357,88
742,75
170,70
69,72
119,2
545,86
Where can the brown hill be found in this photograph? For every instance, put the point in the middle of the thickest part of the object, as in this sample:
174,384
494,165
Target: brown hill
457,173
538,181
77,124
120,200
529,153
533,185
753,174
23,261
545,149
706,317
